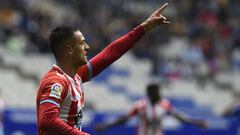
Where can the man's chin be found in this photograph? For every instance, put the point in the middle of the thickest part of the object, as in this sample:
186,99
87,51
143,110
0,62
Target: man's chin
84,62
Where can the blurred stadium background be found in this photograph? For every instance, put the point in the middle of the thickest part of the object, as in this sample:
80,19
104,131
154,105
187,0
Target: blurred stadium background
196,59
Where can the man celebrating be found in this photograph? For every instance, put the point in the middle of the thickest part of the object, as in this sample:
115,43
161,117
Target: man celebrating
150,112
60,98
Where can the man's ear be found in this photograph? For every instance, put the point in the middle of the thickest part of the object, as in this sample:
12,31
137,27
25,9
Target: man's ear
69,49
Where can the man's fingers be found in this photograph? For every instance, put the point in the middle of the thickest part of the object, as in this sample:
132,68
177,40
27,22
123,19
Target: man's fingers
166,22
162,20
162,8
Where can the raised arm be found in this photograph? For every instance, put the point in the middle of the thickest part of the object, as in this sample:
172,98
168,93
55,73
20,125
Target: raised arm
155,19
119,47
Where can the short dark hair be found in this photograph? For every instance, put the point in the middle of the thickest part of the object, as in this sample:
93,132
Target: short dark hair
61,35
152,87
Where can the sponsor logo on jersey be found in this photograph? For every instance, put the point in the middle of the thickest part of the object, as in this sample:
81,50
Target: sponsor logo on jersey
56,90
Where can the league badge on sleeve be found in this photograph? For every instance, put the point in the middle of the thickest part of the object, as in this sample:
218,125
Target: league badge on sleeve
56,90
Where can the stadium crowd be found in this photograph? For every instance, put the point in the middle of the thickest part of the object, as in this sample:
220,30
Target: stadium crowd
202,41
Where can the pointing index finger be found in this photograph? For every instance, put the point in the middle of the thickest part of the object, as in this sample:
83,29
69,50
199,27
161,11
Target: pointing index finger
162,8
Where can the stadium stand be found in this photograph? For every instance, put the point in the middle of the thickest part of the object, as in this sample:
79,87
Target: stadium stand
197,61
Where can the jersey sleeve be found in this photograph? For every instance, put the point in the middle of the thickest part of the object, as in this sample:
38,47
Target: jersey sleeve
166,104
50,123
85,72
137,107
53,91
110,54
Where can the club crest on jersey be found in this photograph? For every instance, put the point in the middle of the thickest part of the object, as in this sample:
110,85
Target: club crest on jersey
56,90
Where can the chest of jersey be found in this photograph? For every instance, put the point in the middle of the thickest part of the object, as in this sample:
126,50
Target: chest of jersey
73,104
150,118
153,112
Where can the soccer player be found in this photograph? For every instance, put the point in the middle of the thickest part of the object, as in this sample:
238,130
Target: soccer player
150,111
60,97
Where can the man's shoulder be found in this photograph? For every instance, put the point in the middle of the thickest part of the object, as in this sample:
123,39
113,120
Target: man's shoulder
165,100
53,77
141,103
165,103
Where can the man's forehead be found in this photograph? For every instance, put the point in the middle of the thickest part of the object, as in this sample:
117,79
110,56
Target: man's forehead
79,35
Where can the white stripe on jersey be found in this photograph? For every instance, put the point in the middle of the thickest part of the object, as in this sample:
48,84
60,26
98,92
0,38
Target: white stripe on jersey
66,105
77,94
150,117
50,101
77,97
75,91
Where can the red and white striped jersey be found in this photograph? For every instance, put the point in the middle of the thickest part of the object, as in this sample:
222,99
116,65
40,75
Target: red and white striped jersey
65,92
60,98
149,116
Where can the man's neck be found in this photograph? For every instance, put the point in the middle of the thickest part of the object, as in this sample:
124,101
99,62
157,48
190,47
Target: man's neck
68,69
153,102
